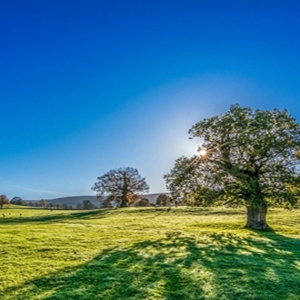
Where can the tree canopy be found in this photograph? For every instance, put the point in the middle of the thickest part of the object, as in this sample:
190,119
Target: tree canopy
87,204
3,200
121,185
17,201
42,203
163,199
247,157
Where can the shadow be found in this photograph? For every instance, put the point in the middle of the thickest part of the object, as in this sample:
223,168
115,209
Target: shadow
49,216
201,211
147,210
209,211
54,216
211,266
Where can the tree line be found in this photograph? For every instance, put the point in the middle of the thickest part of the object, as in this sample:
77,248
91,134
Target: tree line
85,204
162,200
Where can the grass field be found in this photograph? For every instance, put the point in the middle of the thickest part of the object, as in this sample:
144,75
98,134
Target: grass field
148,253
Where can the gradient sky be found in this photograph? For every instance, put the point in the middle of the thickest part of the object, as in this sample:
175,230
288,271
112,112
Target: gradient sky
89,86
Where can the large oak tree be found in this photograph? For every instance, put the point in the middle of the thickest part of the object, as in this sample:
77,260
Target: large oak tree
247,157
121,185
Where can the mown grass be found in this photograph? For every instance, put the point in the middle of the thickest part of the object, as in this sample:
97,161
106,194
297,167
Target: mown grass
147,253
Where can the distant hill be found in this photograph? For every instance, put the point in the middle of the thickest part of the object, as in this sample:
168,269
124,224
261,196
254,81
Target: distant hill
74,200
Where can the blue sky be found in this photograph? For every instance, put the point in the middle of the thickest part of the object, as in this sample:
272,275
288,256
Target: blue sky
89,86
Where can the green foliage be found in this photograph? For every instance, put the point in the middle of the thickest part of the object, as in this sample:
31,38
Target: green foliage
188,253
142,202
163,200
251,158
42,203
17,201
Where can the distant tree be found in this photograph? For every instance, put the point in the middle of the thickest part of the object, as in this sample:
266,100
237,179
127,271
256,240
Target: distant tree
58,205
132,198
248,158
3,200
120,185
142,202
106,201
51,205
30,204
79,206
42,203
87,204
163,200
65,206
17,201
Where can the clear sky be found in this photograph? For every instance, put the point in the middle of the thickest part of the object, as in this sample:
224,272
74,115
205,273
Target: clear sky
89,86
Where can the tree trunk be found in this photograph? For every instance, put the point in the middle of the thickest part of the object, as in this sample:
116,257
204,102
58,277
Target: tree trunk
256,217
123,203
124,200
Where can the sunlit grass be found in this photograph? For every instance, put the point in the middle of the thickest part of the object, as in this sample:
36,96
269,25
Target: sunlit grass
147,253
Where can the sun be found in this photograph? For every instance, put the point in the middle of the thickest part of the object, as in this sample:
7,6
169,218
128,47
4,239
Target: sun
202,152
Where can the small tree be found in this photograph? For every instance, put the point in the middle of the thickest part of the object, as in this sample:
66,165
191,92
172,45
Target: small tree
17,201
120,185
42,203
133,198
248,157
163,200
142,202
3,200
87,204
51,205
65,206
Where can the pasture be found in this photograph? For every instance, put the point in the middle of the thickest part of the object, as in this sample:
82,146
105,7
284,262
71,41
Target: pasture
147,253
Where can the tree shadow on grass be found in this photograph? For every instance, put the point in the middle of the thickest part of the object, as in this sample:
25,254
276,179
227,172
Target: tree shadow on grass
208,212
50,216
215,266
200,211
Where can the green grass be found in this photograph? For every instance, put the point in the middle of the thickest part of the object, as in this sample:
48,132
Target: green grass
147,253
